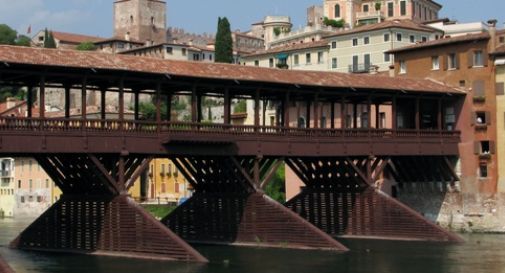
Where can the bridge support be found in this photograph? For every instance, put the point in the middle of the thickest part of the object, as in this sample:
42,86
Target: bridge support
95,215
340,198
230,208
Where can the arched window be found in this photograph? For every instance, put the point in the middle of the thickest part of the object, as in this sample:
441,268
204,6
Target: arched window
152,21
337,11
131,19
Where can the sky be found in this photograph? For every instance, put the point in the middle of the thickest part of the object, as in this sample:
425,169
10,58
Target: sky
94,17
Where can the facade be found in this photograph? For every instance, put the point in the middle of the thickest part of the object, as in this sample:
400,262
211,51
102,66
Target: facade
359,12
165,183
270,28
363,48
64,40
7,188
305,56
464,62
141,20
35,191
116,45
498,58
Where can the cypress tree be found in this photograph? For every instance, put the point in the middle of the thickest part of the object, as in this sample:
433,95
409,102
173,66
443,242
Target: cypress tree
224,42
49,41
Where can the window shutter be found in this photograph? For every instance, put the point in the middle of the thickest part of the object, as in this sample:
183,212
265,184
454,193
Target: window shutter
478,88
469,56
485,57
476,147
457,60
500,89
445,61
488,118
492,147
473,118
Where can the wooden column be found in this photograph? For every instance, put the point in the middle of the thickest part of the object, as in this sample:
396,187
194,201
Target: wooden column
29,100
158,103
121,174
418,115
377,116
332,115
439,115
194,110
257,108
121,101
316,111
394,114
227,107
84,103
136,113
42,97
67,101
103,103
343,113
286,103
307,114
369,112
355,115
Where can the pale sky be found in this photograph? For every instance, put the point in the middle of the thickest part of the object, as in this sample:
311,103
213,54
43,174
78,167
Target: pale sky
94,17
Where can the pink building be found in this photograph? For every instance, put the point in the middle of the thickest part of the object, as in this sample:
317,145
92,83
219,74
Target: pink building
359,12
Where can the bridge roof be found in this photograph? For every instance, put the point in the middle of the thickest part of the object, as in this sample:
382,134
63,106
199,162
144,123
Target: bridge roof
213,71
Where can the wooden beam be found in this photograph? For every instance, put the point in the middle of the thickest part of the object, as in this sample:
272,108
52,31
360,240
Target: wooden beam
270,174
248,178
84,95
140,169
112,182
42,97
67,101
365,179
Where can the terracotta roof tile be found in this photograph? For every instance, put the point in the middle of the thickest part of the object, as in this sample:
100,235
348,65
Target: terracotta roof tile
110,62
405,24
499,50
298,46
444,41
75,38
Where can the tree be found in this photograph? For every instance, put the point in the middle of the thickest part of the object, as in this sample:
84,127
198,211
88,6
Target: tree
333,23
240,107
23,40
49,41
276,189
86,46
378,6
224,42
7,35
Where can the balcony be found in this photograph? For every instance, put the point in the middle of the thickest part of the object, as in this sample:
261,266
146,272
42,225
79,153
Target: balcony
370,15
360,68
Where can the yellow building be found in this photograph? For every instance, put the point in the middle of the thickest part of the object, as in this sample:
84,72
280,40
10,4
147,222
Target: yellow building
165,184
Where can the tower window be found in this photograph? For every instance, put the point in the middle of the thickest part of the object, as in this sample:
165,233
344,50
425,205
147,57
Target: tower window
131,19
337,11
152,20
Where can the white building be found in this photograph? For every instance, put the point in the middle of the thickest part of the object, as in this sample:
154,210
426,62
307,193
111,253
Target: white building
7,187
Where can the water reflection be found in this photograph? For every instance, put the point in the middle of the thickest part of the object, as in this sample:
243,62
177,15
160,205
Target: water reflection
480,254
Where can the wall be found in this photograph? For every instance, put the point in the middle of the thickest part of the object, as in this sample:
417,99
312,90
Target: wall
144,20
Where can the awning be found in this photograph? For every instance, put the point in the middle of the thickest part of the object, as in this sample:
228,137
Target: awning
282,56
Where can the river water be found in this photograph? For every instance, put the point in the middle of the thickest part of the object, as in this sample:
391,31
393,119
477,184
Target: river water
480,254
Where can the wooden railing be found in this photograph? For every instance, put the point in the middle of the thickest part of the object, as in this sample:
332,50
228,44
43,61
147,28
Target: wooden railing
150,127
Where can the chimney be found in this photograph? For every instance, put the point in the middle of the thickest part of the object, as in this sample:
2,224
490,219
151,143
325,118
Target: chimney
392,71
11,102
493,41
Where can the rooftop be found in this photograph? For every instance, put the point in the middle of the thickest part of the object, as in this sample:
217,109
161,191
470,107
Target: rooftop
443,41
405,24
75,38
11,56
288,48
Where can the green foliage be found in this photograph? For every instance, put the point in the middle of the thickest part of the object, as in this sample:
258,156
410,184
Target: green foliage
7,35
23,40
86,46
14,92
240,107
276,189
334,23
49,41
224,42
159,211
277,31
378,6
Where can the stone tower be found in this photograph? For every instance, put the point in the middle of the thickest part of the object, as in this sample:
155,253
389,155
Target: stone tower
141,20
